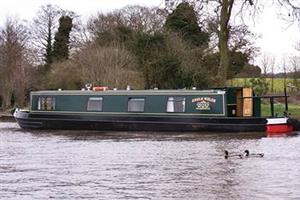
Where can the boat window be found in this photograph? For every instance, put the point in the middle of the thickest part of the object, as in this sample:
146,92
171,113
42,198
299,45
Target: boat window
176,104
46,103
136,104
95,104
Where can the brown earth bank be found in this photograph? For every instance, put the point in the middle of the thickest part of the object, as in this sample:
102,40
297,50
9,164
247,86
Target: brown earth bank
6,117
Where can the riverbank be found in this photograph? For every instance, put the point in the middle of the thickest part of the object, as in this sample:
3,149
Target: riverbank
6,117
279,108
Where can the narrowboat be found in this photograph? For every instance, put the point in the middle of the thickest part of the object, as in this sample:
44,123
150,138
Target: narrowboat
218,110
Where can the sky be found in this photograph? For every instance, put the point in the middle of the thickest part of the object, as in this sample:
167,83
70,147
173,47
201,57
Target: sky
28,8
276,36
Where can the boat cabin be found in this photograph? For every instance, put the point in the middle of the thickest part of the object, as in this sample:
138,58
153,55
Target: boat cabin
226,102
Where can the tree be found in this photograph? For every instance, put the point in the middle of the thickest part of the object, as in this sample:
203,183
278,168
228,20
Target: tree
119,25
241,39
165,58
237,63
167,61
112,66
272,73
266,63
285,70
62,39
183,20
222,12
143,19
79,36
259,85
60,77
14,63
149,50
43,28
241,47
250,71
196,72
108,28
295,62
223,35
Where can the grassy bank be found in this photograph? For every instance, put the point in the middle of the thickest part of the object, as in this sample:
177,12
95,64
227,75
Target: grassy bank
294,109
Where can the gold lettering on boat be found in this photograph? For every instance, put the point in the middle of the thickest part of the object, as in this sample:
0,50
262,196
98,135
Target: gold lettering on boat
203,103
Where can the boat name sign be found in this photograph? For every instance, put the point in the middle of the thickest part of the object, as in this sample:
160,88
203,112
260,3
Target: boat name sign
203,103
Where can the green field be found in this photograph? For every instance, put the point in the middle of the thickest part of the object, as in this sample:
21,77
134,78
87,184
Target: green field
294,109
277,88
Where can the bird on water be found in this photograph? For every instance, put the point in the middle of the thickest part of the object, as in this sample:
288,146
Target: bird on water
226,156
248,154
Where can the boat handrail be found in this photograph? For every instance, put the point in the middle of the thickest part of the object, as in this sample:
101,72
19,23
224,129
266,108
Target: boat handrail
264,97
271,97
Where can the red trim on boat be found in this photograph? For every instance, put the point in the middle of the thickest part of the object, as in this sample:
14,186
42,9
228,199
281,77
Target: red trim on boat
279,129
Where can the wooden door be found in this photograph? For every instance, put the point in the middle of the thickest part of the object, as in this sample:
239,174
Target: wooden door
247,102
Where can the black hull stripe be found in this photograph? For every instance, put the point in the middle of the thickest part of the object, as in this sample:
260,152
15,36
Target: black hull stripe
138,123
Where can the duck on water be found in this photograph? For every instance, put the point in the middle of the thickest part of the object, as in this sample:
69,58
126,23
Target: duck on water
246,154
227,155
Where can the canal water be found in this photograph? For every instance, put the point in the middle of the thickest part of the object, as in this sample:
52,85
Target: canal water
120,165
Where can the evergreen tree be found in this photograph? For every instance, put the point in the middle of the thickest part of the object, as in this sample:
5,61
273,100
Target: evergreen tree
48,53
62,39
149,49
184,21
158,62
171,74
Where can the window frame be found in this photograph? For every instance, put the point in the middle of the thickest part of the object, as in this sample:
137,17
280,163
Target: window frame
88,106
46,103
136,99
183,101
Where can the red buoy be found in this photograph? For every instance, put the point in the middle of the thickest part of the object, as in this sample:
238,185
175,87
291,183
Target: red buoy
98,88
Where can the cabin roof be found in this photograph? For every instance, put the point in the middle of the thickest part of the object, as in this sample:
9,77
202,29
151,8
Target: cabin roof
128,92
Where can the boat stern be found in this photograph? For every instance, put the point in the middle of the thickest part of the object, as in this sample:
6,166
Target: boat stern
279,126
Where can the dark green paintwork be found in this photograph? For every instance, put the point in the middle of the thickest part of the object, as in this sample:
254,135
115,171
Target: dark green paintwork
155,101
231,95
256,107
231,101
118,103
